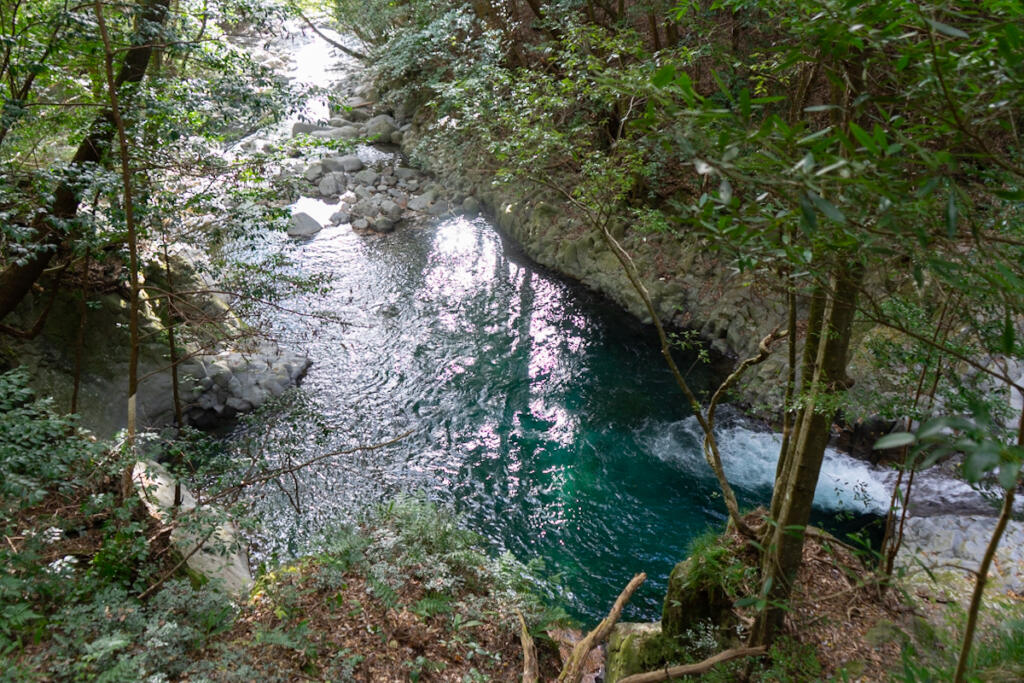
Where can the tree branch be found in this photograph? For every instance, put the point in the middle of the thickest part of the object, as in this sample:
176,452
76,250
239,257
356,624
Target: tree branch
694,669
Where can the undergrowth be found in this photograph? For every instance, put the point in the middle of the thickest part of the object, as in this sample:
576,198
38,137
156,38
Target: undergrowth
417,590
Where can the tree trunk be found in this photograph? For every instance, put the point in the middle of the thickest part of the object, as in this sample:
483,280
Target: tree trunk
794,494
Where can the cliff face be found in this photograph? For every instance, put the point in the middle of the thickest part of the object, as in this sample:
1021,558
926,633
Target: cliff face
692,288
224,369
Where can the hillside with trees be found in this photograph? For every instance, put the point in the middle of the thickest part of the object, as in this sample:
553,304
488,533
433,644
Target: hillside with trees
825,196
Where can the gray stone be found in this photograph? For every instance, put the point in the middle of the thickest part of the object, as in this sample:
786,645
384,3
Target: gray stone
357,102
339,217
404,173
338,122
421,202
348,163
303,225
219,372
381,126
313,171
439,208
383,224
358,115
363,192
329,134
944,542
301,127
367,176
365,208
348,133
391,209
397,137
238,404
328,186
360,224
221,556
471,206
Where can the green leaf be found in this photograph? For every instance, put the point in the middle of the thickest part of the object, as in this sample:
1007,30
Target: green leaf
932,428
1008,474
745,103
946,29
1008,338
863,138
897,440
928,188
808,219
828,208
663,76
980,461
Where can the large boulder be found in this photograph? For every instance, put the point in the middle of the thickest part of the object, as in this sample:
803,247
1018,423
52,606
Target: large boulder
404,173
381,127
349,163
303,225
367,176
422,202
313,171
220,556
471,206
695,594
301,127
391,209
330,186
365,208
341,133
348,133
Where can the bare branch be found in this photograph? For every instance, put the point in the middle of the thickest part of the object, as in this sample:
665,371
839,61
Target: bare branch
694,669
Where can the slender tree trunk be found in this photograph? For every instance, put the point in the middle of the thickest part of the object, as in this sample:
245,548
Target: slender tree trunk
652,23
786,455
827,375
986,564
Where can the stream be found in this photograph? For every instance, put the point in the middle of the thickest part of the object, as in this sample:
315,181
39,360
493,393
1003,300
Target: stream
535,408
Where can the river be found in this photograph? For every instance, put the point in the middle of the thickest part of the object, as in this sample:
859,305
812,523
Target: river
536,409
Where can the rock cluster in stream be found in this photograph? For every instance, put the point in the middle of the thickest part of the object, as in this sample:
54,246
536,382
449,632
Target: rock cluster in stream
373,196
222,385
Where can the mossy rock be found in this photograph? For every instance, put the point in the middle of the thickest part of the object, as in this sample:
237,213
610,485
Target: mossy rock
695,594
636,648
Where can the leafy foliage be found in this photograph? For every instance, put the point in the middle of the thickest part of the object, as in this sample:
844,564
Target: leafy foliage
77,557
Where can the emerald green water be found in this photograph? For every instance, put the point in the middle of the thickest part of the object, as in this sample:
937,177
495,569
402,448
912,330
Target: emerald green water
539,411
